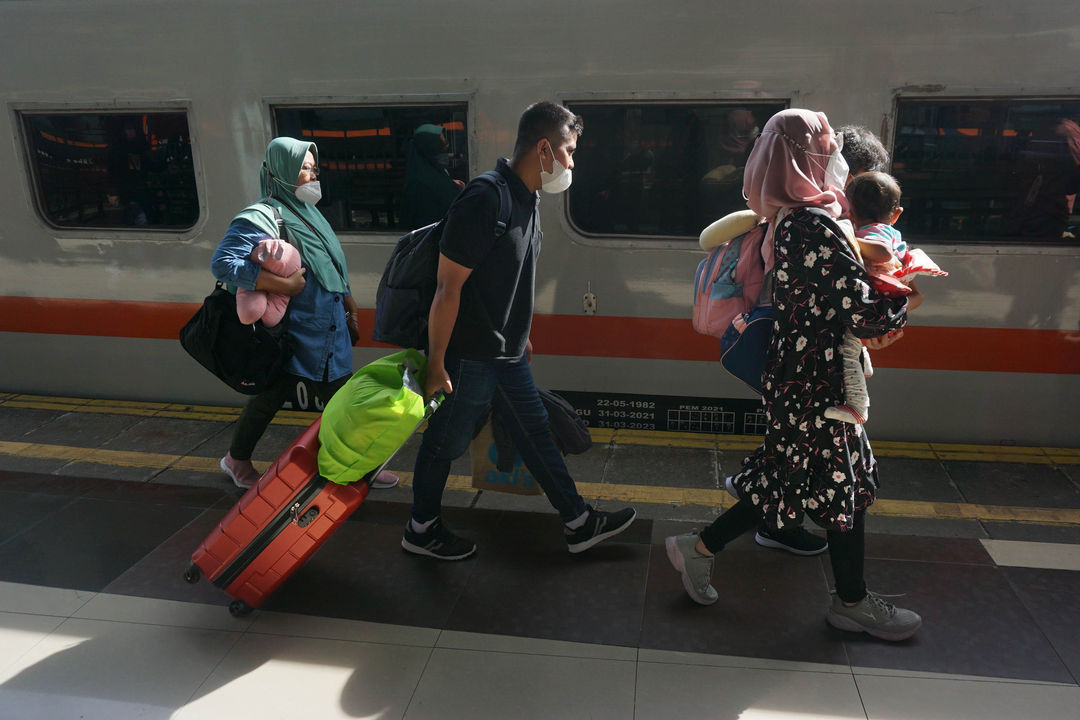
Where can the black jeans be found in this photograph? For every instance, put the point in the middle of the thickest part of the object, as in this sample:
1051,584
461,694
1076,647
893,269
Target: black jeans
846,549
262,408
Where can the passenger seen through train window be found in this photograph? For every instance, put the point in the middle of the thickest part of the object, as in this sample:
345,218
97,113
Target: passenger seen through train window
989,170
365,155
429,189
662,170
122,171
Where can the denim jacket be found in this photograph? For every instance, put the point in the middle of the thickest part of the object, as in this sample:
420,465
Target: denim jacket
322,349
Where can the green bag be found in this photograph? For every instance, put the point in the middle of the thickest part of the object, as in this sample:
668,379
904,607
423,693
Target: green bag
371,416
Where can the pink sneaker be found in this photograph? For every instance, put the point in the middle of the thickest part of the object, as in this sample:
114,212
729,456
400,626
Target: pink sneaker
242,472
385,480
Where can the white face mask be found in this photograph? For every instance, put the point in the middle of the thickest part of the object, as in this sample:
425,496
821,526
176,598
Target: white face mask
836,171
560,177
309,192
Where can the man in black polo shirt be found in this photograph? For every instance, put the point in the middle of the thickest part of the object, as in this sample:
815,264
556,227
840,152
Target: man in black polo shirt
478,340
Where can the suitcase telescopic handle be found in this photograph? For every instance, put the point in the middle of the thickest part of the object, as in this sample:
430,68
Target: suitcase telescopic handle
434,402
431,406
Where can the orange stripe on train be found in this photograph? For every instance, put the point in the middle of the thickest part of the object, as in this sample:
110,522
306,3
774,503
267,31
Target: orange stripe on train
923,347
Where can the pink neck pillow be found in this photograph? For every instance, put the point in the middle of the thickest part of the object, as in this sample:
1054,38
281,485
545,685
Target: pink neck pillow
280,258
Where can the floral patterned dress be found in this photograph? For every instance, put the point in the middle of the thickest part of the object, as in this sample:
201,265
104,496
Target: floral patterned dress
809,464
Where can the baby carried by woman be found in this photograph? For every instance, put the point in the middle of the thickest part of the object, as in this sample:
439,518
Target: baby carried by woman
874,199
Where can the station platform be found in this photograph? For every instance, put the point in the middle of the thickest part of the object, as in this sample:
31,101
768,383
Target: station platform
102,502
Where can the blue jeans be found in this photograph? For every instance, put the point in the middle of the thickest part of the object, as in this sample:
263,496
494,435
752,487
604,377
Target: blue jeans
508,387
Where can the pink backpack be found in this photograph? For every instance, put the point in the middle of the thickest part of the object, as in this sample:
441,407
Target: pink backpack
728,282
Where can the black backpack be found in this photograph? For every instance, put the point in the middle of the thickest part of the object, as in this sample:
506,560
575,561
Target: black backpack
408,282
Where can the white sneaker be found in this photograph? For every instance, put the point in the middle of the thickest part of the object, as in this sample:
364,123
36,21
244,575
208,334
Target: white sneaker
385,480
242,472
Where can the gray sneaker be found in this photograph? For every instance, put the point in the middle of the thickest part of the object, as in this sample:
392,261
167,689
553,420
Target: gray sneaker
695,568
873,615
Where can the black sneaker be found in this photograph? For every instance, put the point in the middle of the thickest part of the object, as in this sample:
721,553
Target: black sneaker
798,540
437,542
599,526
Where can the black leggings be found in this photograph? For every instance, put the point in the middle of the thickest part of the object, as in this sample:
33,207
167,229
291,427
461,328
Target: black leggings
846,549
262,408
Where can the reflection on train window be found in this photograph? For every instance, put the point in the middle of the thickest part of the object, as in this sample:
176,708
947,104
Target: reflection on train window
384,169
979,170
120,171
662,169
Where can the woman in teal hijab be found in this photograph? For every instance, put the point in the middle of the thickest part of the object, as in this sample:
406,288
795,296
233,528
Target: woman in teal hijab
322,313
429,189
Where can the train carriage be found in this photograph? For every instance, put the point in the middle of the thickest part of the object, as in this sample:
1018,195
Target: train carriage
136,130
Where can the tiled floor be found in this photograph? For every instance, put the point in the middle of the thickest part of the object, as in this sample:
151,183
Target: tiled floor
108,656
97,622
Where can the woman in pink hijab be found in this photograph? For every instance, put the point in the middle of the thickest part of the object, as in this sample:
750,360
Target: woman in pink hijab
808,465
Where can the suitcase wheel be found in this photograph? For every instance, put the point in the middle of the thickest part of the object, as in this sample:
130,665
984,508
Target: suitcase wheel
239,608
192,574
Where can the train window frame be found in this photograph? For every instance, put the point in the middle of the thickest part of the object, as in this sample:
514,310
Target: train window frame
579,235
19,111
979,245
380,100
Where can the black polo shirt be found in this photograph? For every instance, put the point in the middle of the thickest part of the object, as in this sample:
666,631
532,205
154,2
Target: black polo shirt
495,314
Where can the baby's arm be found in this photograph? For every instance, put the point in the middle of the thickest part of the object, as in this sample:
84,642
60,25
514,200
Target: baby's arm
914,299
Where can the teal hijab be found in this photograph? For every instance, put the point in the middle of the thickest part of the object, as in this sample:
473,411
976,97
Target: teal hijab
428,187
307,227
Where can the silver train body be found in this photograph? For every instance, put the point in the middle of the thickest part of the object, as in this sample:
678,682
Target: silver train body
227,65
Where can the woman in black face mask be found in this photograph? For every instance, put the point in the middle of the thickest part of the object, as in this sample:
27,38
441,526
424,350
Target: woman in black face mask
429,189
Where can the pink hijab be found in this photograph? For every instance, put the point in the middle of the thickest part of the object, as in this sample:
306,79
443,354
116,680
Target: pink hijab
780,174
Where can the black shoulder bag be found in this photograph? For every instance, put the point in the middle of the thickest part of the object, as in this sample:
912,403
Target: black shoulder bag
247,358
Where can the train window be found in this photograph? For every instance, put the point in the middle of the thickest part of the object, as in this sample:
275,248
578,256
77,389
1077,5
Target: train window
989,170
659,169
114,170
384,168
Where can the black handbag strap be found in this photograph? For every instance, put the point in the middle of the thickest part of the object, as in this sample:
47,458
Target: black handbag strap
280,221
765,296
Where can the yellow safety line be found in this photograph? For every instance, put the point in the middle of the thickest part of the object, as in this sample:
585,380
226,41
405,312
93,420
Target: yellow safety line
101,456
709,497
652,438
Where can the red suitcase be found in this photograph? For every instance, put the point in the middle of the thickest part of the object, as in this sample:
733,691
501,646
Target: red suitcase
277,525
